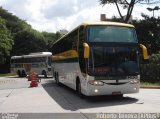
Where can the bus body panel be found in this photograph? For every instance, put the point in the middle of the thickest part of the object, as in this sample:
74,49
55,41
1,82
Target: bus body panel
110,87
38,62
111,90
69,72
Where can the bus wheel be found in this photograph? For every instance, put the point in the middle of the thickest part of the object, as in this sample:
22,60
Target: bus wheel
53,75
57,79
44,74
23,74
78,85
19,73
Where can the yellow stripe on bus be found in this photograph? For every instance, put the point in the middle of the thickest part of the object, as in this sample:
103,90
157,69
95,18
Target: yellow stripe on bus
65,55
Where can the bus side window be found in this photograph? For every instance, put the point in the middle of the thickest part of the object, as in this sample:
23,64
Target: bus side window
74,40
82,61
49,61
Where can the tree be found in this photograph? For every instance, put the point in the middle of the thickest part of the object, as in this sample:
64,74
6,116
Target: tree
50,38
13,23
128,5
28,41
148,33
6,41
58,35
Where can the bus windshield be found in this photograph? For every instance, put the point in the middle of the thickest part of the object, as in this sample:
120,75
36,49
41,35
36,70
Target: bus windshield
111,34
113,61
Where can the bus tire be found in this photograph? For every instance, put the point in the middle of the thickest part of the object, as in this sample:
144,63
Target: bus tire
53,74
57,79
78,88
24,74
19,73
44,74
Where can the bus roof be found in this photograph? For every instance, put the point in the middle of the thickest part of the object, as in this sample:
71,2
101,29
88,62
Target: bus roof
96,24
16,57
38,54
106,23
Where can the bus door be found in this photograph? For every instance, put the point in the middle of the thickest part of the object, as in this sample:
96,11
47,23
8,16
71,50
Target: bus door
49,69
82,60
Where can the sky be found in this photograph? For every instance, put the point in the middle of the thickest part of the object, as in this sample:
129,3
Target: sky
55,15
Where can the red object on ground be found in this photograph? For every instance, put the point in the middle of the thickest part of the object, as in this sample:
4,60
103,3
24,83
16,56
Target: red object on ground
33,77
29,76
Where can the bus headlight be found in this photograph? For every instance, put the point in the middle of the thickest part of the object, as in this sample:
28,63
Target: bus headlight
134,81
97,83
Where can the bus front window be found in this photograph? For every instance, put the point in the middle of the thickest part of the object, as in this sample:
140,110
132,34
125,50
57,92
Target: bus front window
113,61
111,34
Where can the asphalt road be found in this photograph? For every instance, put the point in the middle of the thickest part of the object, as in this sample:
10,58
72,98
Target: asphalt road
51,101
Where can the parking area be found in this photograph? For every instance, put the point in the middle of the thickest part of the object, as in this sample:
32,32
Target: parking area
17,97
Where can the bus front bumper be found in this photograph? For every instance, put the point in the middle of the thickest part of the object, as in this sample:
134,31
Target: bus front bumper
93,90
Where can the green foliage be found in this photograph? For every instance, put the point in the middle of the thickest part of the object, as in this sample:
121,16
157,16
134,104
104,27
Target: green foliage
25,39
3,75
13,23
50,38
6,41
28,41
150,83
148,33
58,35
151,72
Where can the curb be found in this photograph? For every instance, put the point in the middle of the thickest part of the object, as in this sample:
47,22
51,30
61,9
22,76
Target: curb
150,87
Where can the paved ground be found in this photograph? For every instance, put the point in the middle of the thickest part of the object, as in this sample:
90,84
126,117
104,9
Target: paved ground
17,97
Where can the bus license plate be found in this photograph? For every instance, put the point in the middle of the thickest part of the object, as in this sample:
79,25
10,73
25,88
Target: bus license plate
116,93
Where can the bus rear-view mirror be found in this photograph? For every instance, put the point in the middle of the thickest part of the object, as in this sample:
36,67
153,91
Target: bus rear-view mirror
144,53
86,50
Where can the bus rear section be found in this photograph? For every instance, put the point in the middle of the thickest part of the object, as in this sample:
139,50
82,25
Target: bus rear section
37,62
16,66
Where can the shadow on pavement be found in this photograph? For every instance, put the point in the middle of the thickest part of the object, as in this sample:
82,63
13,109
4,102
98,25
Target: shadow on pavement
68,99
16,76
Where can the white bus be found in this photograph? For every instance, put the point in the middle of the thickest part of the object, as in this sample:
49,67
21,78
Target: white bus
39,62
99,58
